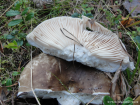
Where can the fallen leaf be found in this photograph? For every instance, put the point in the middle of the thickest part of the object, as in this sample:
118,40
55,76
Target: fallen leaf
136,101
133,24
123,86
114,82
137,90
127,21
131,5
3,93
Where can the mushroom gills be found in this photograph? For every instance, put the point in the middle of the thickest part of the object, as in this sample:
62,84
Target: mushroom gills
67,38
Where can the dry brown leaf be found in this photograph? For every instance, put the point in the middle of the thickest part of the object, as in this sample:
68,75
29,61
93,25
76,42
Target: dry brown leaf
137,101
137,94
116,76
133,24
114,82
3,93
137,90
123,86
128,87
127,21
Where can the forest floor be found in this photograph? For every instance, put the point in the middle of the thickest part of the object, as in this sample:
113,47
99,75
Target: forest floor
19,17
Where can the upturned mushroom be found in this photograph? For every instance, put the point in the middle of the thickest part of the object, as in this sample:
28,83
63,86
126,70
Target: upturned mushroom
67,38
70,83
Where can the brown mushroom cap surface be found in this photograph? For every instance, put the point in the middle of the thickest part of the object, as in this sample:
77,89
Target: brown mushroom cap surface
67,81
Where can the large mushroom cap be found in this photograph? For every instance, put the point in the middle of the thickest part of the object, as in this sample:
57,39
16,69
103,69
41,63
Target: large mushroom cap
67,38
70,83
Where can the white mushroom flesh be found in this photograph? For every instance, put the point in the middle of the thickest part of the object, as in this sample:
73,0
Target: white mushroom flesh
101,48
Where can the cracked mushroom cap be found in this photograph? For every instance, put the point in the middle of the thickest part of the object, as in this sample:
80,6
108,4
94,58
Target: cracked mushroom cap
71,83
68,38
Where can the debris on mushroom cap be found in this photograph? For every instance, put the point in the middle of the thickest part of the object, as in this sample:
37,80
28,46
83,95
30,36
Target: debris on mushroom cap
67,38
51,75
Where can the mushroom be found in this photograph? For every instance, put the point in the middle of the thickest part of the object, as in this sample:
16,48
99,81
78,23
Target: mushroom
71,83
67,38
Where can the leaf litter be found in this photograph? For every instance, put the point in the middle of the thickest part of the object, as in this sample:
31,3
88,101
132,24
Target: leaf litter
118,74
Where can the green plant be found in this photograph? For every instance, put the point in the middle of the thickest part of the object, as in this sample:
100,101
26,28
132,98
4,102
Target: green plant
116,2
128,74
17,18
18,36
86,8
20,19
24,14
130,0
12,45
86,12
136,67
114,20
8,83
136,37
107,100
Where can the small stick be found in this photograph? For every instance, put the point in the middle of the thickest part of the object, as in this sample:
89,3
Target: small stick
91,100
8,8
71,34
60,65
32,75
73,57
114,80
69,37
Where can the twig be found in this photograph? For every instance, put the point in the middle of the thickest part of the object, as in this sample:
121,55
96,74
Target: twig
69,37
114,81
109,5
97,10
108,74
1,102
91,100
32,74
71,34
60,65
73,57
13,98
129,87
8,8
12,85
